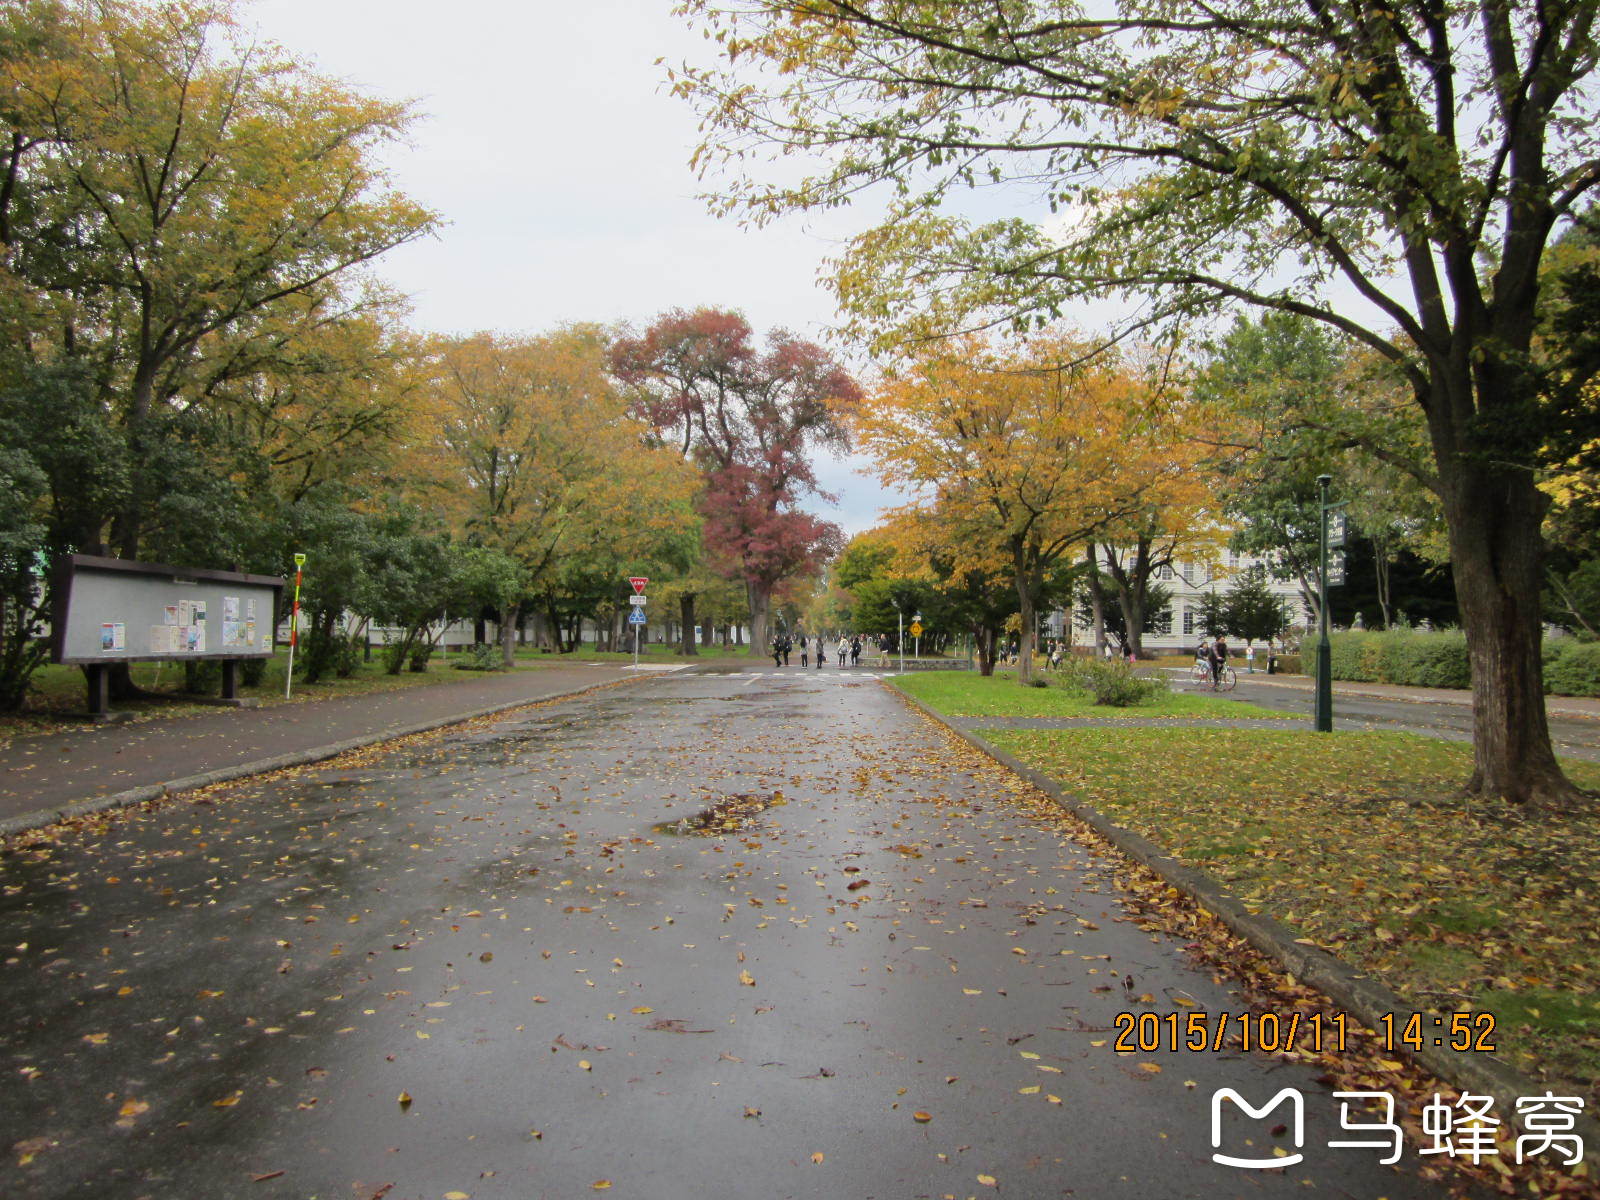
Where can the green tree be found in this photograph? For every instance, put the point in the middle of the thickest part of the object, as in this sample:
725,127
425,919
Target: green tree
1420,157
1251,610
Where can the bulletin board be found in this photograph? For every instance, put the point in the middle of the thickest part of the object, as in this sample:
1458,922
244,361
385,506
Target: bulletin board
117,610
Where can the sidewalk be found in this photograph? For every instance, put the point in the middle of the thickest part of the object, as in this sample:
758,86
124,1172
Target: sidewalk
99,766
1566,706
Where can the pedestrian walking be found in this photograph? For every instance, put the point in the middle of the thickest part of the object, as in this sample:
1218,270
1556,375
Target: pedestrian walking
803,660
844,649
855,650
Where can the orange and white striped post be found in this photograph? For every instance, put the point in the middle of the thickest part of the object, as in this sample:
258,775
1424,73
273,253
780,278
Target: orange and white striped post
294,624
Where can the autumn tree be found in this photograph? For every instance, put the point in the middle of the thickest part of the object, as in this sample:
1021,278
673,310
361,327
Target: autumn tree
1418,157
1026,452
537,457
186,183
750,417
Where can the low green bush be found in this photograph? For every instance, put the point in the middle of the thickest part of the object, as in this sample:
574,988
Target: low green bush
1289,664
252,671
1113,683
482,657
1574,670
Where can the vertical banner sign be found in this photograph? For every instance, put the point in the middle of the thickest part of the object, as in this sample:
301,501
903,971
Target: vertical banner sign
294,624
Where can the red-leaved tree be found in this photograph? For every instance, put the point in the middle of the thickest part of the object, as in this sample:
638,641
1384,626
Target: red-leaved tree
752,417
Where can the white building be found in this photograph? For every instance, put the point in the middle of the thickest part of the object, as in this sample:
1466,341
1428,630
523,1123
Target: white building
1177,627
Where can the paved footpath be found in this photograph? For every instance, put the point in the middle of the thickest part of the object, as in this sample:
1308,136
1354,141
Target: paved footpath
42,774
489,964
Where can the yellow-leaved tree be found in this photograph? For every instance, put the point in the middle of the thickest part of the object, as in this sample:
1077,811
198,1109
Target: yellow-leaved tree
1024,452
537,457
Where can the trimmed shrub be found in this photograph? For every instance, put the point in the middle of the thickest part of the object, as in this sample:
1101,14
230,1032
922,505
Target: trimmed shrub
1289,664
1439,660
1406,657
1575,669
252,671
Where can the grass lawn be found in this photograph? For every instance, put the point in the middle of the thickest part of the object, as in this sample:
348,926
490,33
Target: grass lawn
1364,844
968,694
58,691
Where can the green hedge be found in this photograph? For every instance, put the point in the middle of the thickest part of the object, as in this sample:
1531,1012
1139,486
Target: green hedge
1401,656
1575,670
1439,660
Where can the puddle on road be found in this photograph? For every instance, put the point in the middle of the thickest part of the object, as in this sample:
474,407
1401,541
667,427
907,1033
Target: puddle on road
728,815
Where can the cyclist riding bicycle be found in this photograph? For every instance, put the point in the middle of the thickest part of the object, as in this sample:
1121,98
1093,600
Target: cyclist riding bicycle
1217,656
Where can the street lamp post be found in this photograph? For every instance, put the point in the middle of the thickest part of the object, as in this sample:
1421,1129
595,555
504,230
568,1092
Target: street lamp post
1322,714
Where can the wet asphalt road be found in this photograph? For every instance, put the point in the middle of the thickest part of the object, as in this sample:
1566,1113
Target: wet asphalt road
230,998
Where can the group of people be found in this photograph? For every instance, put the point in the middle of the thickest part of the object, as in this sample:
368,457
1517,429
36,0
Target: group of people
1214,655
848,649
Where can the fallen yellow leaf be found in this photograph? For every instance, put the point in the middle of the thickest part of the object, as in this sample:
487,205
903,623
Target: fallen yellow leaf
818,1156
228,1101
922,1117
643,1009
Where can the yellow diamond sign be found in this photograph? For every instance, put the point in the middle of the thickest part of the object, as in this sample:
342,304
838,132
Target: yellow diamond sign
916,629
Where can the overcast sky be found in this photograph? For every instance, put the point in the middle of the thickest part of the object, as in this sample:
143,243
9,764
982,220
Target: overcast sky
560,166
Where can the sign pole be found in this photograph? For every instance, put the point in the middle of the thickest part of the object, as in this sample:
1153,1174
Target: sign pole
638,583
294,624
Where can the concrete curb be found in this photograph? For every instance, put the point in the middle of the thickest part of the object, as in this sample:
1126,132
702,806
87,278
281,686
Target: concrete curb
23,822
1361,995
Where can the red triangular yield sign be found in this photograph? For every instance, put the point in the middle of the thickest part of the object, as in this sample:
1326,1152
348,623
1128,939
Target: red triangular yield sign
638,582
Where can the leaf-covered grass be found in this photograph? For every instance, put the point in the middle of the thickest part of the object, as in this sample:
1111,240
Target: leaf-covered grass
58,691
1364,843
968,694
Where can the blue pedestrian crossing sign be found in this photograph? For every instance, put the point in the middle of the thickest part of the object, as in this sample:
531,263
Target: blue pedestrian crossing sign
636,616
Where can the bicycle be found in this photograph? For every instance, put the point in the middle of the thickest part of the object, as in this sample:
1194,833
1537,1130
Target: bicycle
1226,681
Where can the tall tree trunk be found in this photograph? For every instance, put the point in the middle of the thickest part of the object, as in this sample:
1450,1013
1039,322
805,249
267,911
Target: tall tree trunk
1496,553
1026,613
509,620
1380,571
686,611
708,633
760,613
985,637
1097,605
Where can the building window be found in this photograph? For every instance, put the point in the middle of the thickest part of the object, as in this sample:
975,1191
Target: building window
1164,572
1188,621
